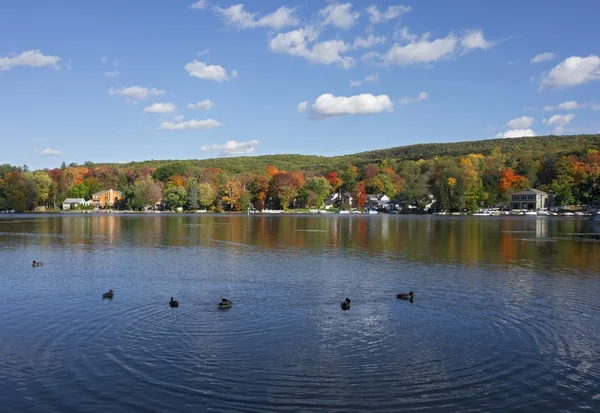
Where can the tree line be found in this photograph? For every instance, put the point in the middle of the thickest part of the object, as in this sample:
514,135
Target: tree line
569,169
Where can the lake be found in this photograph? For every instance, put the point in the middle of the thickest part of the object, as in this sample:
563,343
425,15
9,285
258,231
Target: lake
505,316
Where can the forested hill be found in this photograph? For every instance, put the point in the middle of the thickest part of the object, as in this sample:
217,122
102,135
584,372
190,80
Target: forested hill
516,148
536,147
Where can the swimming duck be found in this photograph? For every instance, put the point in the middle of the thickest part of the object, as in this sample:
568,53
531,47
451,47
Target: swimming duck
36,264
346,304
109,294
404,296
173,303
225,303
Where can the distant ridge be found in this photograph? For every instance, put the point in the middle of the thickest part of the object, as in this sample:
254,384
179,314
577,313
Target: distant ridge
535,147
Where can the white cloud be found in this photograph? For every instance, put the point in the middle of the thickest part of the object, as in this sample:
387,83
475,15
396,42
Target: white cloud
232,148
104,59
559,122
529,109
515,133
524,122
112,74
135,93
542,57
240,18
208,72
31,58
573,105
160,107
474,39
370,78
178,118
571,72
202,52
190,125
421,50
200,4
302,106
376,16
339,15
50,152
206,104
369,56
411,49
295,43
369,41
420,96
328,105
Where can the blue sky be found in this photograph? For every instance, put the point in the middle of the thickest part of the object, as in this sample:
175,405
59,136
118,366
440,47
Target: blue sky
117,81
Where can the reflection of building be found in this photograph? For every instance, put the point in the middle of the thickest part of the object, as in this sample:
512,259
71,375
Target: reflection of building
74,203
530,199
106,198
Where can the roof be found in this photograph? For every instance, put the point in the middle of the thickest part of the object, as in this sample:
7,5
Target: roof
531,191
74,201
106,190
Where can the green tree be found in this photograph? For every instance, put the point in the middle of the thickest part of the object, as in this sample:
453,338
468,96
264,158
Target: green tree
320,188
206,195
192,200
79,191
175,197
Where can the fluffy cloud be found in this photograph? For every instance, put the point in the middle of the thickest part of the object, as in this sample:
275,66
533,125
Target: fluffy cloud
31,58
135,93
190,124
524,122
296,43
407,100
369,41
370,78
208,72
376,16
339,15
559,122
573,105
475,40
240,18
328,105
302,106
206,104
232,148
542,57
50,152
421,50
515,133
200,4
160,107
571,72
112,74
412,49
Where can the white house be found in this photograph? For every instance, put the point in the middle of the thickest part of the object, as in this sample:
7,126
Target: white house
74,203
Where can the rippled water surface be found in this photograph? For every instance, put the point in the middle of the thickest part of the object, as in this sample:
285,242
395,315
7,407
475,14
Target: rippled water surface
505,316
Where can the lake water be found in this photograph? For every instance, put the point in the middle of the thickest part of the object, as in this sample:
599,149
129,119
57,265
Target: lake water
505,316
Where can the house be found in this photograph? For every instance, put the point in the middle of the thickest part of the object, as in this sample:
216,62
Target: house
74,203
531,199
377,201
106,199
337,200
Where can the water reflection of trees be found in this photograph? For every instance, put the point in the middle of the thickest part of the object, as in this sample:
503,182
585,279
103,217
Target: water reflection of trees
465,240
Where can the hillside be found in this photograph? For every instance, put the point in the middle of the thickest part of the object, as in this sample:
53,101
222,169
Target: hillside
534,147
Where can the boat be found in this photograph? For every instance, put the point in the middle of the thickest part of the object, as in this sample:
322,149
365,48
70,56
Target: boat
344,212
371,211
482,213
531,213
543,213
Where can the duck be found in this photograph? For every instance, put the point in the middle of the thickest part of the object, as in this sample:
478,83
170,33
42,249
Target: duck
173,303
36,264
346,304
404,296
109,294
225,303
